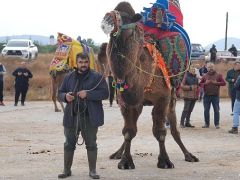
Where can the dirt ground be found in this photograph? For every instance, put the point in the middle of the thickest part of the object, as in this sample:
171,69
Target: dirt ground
31,146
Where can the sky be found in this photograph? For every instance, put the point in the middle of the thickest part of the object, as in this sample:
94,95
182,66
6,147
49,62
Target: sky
203,20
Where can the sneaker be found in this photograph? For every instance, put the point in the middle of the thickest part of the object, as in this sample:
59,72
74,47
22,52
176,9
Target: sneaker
217,127
22,104
15,104
2,104
231,114
234,130
189,125
205,126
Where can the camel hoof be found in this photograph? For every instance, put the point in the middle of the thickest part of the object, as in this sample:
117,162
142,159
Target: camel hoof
116,155
57,110
165,163
191,158
126,164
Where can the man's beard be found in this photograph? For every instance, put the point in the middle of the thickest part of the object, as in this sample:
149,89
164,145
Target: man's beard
83,69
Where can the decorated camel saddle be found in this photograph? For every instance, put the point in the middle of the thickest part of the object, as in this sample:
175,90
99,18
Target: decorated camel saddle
65,55
162,23
164,37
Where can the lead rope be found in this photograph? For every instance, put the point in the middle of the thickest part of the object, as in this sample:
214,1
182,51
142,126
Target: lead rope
84,110
83,124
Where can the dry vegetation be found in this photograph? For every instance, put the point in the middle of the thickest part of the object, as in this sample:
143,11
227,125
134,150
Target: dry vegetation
40,83
39,88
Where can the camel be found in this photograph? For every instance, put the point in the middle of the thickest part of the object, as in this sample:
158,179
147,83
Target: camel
64,61
102,60
135,68
56,82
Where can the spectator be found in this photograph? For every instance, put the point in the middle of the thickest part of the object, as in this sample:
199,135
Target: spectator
236,109
2,72
233,50
111,88
231,78
190,93
22,75
203,70
213,53
197,71
211,83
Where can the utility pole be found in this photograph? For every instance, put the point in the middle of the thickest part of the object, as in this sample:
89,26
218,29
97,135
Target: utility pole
226,31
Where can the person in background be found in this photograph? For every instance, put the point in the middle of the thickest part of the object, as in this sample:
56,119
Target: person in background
233,50
211,83
190,91
197,72
83,90
2,72
110,80
213,53
231,78
203,70
236,108
22,75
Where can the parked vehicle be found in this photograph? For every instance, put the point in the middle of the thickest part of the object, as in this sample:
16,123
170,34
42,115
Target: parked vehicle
198,52
224,56
21,48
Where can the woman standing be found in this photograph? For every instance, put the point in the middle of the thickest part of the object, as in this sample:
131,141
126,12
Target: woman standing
190,91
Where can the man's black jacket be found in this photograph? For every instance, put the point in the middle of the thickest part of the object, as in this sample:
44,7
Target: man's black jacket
93,100
22,80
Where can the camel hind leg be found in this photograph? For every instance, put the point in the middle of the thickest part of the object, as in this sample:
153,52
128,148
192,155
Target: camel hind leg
176,135
159,113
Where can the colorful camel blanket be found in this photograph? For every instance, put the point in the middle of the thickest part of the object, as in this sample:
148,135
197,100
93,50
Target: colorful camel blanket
65,55
165,17
163,26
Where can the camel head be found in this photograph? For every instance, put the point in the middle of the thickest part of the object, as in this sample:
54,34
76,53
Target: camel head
126,39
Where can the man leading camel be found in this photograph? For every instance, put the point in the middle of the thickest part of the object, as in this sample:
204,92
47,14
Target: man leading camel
83,90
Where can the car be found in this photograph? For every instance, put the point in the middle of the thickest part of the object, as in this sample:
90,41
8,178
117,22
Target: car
198,52
21,48
224,55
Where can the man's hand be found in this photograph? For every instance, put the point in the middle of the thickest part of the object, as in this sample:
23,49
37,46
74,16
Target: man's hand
25,74
69,97
233,80
82,94
19,73
207,82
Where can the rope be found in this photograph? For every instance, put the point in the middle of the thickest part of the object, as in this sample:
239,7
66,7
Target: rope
154,75
84,110
78,119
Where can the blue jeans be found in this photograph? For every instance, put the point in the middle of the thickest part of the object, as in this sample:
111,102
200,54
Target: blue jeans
233,97
207,101
236,112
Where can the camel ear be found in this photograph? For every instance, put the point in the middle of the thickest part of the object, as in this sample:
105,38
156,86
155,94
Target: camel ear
137,17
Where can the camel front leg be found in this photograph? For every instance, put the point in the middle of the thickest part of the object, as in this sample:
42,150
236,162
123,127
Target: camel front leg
159,113
176,135
130,115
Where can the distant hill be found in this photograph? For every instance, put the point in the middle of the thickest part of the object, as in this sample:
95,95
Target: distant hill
220,44
42,40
